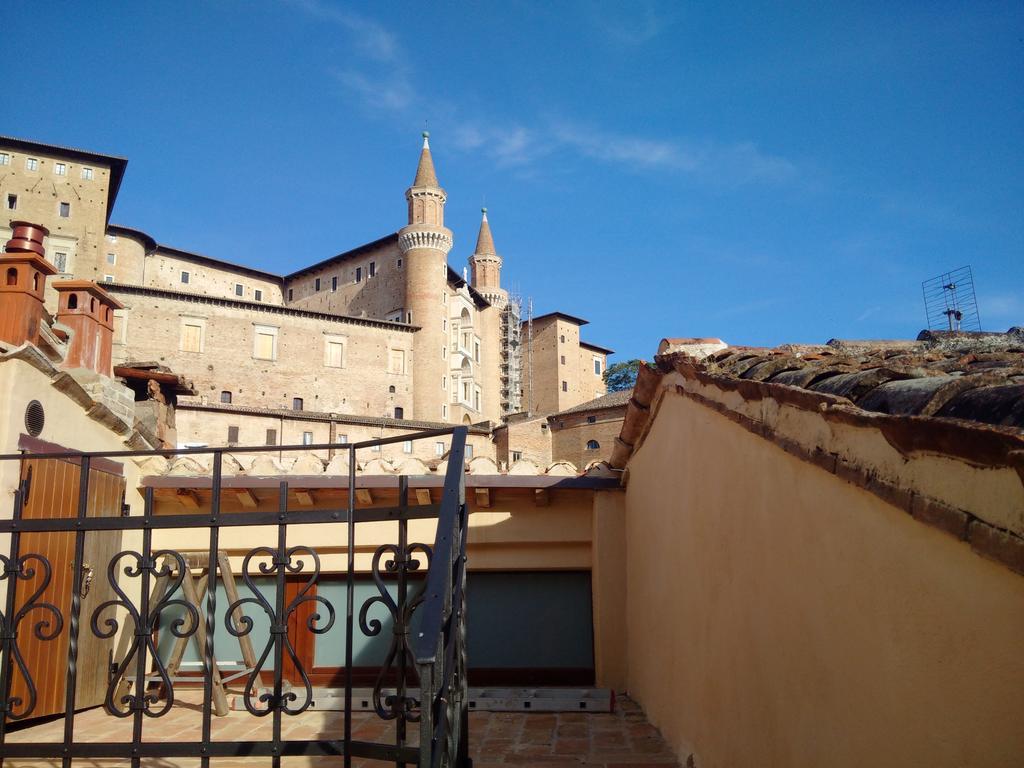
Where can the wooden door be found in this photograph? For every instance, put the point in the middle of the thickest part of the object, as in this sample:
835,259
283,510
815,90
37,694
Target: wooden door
52,492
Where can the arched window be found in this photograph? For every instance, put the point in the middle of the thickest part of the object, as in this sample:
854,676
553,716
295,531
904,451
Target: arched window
92,305
464,318
391,389
35,281
106,313
12,276
73,301
593,445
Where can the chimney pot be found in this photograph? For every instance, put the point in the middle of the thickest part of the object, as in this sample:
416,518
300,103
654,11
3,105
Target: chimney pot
27,238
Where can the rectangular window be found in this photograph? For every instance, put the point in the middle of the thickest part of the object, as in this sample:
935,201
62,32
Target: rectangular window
476,351
597,366
257,294
334,283
439,449
334,353
396,361
5,159
87,174
31,164
375,448
316,285
271,437
565,386
517,455
469,451
232,435
562,360
191,337
108,278
476,399
444,411
307,438
60,169
184,277
12,202
239,289
373,269
111,238
359,274
264,343
60,261
399,412
399,263
291,294
407,446
111,258
343,439
296,403
65,210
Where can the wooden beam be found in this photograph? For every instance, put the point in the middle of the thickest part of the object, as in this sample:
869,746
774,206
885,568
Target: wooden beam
305,498
188,498
246,498
483,497
541,497
422,495
364,496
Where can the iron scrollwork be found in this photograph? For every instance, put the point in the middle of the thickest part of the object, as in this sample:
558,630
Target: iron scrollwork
279,625
118,701
400,656
47,627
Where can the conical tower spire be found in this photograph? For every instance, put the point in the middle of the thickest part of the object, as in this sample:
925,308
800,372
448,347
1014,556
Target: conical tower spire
485,241
425,174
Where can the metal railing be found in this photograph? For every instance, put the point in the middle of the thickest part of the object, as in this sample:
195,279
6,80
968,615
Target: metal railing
422,681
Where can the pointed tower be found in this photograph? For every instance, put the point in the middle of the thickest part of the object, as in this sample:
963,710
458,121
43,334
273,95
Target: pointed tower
486,265
424,243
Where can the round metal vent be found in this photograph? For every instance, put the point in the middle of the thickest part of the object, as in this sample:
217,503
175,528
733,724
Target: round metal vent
35,418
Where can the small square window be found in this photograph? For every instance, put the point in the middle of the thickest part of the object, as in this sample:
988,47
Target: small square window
108,278
343,439
375,448
111,258
60,169
232,435
591,419
307,438
373,268
87,174
12,202
296,403
184,277
31,164
316,285
5,159
111,238
225,396
517,455
239,289
257,294
65,210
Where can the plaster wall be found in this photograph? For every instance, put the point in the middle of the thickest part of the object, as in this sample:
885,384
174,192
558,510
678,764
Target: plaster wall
779,616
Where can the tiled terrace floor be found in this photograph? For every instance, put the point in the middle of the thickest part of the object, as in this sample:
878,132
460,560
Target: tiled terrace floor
622,739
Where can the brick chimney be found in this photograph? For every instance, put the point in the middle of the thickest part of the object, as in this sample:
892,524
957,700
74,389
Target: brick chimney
87,310
23,273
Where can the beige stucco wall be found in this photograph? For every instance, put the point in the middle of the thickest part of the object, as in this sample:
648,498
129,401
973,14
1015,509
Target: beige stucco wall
779,616
163,270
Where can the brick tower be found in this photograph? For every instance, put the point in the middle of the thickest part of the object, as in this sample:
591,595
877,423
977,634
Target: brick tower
424,244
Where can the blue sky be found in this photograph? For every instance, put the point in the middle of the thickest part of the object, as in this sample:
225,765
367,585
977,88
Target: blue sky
765,173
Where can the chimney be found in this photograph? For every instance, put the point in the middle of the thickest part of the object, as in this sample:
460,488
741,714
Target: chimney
88,311
23,273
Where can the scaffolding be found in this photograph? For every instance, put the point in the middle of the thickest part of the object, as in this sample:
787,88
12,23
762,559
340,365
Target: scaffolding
511,356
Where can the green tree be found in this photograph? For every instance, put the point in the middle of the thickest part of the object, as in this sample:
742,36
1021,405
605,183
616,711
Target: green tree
622,375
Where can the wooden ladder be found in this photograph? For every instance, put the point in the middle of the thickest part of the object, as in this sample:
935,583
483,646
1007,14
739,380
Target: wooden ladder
194,594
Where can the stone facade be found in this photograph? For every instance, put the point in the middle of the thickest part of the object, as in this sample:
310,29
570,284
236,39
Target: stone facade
386,329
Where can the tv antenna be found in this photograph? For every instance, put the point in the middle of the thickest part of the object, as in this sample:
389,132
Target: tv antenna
950,303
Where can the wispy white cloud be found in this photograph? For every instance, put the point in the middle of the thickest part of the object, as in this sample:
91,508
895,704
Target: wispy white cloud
635,23
868,313
383,82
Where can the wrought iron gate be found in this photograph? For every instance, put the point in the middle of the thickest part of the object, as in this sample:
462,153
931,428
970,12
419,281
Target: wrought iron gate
421,684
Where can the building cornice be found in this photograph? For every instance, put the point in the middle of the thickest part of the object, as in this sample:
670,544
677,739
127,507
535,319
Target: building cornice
425,238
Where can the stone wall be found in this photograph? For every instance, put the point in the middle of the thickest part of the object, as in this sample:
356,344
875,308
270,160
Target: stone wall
164,269
380,296
571,433
151,328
